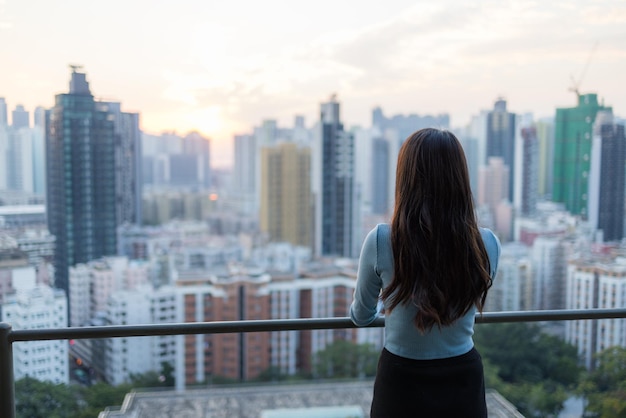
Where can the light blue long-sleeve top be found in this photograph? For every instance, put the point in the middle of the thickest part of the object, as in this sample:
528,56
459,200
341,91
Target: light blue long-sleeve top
402,338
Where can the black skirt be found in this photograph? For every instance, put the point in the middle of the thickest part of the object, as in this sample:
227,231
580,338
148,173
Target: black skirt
450,387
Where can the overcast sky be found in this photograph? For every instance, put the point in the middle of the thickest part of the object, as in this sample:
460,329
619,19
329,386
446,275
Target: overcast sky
221,67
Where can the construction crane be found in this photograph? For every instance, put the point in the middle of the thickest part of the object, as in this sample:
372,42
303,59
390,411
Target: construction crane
75,67
577,82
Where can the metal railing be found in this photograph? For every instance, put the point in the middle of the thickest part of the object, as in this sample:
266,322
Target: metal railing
8,336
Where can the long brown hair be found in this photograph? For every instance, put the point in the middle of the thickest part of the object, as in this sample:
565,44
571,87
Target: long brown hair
440,262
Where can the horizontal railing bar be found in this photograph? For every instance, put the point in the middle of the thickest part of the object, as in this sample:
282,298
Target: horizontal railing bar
218,327
550,315
302,324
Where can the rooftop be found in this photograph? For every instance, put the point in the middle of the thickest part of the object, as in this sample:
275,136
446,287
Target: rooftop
308,400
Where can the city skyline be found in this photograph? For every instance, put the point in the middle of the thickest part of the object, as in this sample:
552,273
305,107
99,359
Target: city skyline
223,68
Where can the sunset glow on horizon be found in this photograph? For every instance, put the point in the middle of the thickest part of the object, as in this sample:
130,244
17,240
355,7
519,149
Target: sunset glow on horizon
220,68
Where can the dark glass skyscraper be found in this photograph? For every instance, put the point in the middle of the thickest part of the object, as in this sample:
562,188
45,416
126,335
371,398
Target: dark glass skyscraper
607,178
529,170
337,215
128,166
84,160
501,139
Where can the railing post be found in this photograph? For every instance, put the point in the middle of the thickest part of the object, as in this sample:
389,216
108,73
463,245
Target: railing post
7,384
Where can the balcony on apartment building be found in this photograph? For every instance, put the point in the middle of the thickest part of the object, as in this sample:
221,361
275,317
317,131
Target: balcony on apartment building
267,401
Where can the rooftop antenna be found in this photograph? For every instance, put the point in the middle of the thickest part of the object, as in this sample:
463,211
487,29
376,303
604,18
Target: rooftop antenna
576,83
75,67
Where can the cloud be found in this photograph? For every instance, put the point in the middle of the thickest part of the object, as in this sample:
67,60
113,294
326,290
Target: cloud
435,50
406,38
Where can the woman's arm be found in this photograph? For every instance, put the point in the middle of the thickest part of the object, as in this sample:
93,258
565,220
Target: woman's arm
492,245
364,308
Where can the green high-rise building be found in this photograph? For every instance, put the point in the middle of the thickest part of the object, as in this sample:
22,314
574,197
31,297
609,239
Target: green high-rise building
572,153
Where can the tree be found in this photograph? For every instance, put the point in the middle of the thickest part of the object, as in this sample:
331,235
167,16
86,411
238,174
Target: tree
152,379
534,400
605,386
35,399
97,397
534,370
345,359
523,353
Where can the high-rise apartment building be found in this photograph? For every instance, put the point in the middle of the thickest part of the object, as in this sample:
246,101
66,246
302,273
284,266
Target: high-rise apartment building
375,156
512,288
174,162
596,284
93,283
21,149
234,356
4,147
405,125
474,140
286,199
337,203
380,176
12,261
382,163
39,117
3,113
549,260
245,171
607,178
470,148
22,155
85,176
252,296
322,296
34,306
200,147
529,171
545,138
572,153
20,118
20,168
300,134
267,134
501,139
245,164
126,356
115,291
38,244
128,171
39,159
493,193
198,276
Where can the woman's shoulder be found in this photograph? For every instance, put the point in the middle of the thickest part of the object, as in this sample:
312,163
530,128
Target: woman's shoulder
383,234
379,237
383,229
492,245
490,239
